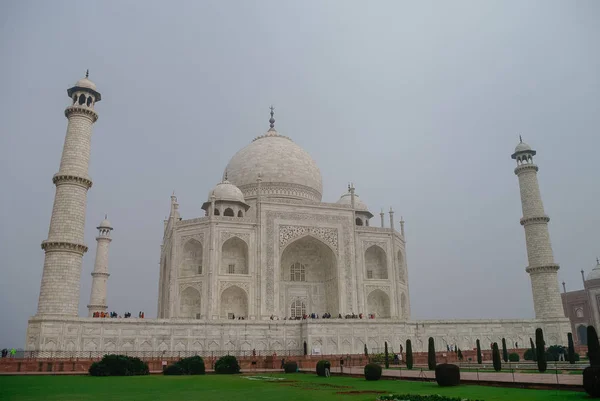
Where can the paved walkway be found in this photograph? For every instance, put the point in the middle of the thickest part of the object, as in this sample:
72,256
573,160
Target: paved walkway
507,377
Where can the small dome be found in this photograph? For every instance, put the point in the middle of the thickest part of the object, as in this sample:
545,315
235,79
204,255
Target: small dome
595,273
105,223
227,191
522,147
86,83
346,199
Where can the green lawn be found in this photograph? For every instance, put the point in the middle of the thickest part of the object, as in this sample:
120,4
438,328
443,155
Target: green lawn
219,388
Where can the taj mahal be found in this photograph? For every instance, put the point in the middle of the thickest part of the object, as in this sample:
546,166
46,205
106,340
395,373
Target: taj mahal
266,252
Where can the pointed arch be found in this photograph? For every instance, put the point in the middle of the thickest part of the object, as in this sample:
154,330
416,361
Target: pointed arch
234,302
297,309
234,256
313,264
191,263
228,212
403,305
376,263
378,302
190,304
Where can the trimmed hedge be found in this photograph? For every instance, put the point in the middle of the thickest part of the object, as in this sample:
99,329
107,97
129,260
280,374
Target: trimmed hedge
227,365
529,355
372,371
591,381
290,367
119,365
431,362
447,375
409,355
321,366
496,358
540,350
187,366
513,357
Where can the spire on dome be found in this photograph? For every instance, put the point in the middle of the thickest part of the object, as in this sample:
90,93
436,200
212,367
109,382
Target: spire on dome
520,139
272,119
87,73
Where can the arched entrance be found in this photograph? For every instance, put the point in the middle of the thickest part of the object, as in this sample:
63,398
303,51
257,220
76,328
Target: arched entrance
378,303
192,259
234,303
376,263
234,257
190,305
309,271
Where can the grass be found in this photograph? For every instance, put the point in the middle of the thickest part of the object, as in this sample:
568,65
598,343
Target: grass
297,387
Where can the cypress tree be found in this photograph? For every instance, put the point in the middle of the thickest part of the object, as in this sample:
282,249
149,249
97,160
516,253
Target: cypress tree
409,356
571,349
496,357
504,351
540,348
478,352
460,355
387,358
431,354
593,346
534,355
366,351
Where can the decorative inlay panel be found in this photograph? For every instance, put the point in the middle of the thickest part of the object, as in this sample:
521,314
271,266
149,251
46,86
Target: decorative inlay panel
225,235
347,226
223,285
371,288
198,237
381,244
288,233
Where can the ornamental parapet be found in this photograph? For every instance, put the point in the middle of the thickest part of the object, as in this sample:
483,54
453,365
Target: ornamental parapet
525,167
64,246
542,269
99,274
59,178
534,220
86,111
280,190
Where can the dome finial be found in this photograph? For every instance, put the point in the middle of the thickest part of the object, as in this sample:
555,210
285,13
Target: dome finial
272,119
520,139
225,175
106,215
87,73
597,261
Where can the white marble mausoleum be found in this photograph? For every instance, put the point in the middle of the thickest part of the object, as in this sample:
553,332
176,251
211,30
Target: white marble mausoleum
266,251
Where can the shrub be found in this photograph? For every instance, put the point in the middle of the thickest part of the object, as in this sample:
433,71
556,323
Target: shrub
460,355
533,353
553,352
591,381
387,357
540,350
571,350
372,371
174,370
321,366
478,352
119,365
187,366
496,357
513,357
447,374
431,354
290,367
528,355
504,351
227,365
409,355
593,346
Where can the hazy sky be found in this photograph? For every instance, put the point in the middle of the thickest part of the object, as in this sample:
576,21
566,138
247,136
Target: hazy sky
419,103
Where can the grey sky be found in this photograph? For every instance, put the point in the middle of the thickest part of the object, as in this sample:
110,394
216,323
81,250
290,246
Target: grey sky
420,104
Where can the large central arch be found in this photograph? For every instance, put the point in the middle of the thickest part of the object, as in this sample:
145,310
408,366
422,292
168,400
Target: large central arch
309,271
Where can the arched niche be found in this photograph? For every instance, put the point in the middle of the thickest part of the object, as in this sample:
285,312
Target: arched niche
234,303
228,212
582,334
191,263
378,303
234,256
401,266
308,267
190,304
403,305
376,263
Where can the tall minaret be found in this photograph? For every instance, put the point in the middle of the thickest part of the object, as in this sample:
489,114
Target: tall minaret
64,248
100,273
542,269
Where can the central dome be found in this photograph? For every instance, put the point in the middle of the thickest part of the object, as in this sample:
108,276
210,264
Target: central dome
286,170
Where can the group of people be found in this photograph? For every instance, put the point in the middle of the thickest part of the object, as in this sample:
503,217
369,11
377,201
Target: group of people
326,316
116,315
5,352
238,318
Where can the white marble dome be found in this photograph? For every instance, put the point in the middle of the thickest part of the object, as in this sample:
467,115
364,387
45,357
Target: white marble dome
86,83
522,147
226,191
105,224
595,273
287,170
346,199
